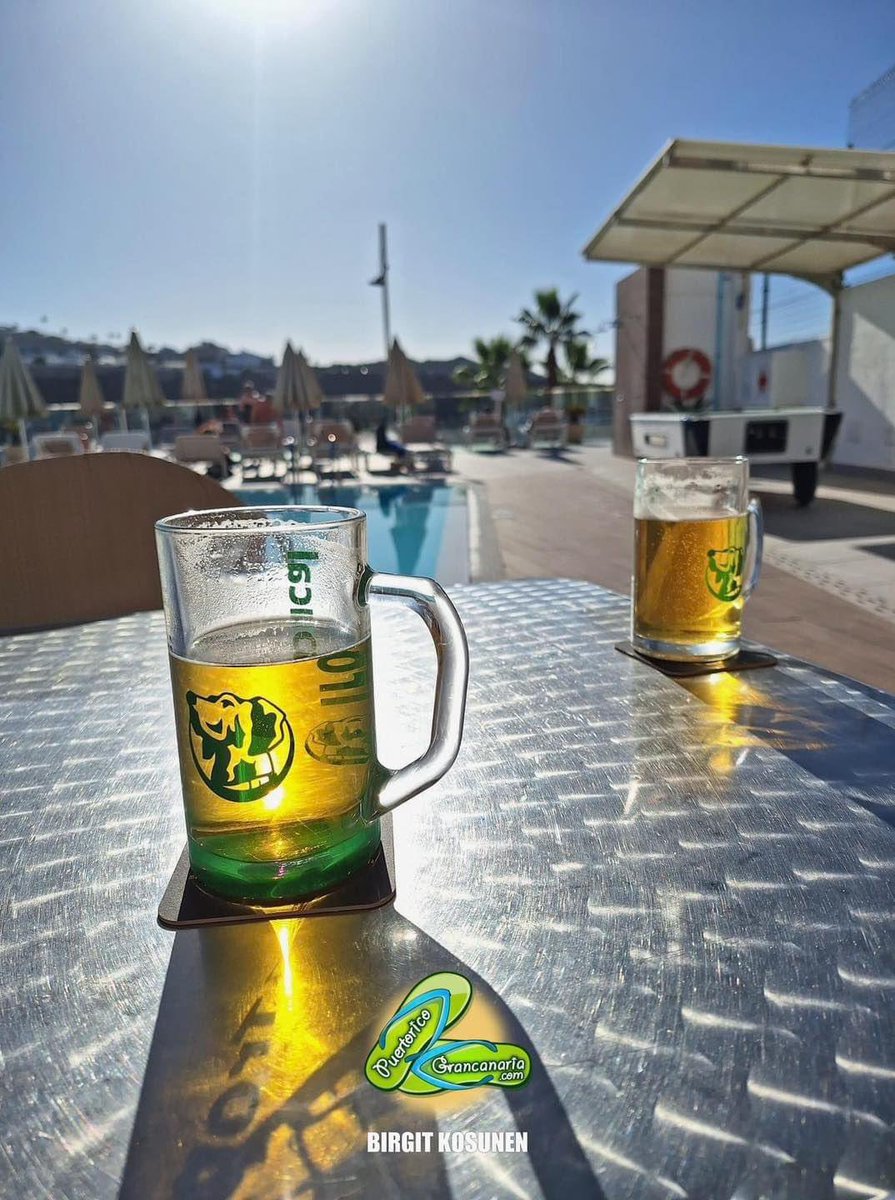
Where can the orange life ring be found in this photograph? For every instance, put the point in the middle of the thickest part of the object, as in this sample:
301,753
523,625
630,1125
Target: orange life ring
686,393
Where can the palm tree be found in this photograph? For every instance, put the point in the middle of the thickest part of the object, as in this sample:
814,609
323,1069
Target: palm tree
579,362
553,322
490,368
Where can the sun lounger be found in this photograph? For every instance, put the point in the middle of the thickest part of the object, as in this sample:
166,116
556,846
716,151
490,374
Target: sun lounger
420,437
292,429
134,440
56,445
200,448
231,435
548,430
261,444
331,442
485,431
167,434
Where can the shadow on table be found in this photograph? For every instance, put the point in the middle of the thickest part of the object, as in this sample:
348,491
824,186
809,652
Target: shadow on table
833,741
254,1085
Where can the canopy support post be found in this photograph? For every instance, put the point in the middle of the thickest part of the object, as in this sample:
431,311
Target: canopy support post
765,293
836,290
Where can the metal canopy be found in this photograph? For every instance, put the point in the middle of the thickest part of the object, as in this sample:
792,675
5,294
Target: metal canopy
733,206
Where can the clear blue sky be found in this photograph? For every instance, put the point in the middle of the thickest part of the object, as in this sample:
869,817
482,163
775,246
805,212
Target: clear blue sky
217,168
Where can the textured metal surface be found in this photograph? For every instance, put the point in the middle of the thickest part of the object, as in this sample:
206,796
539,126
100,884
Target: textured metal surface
679,895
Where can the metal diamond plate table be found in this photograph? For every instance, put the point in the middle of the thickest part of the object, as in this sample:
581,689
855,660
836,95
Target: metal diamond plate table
679,895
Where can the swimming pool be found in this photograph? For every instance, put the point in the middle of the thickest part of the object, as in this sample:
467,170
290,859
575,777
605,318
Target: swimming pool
413,528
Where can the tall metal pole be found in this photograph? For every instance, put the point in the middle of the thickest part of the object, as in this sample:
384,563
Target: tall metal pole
383,275
765,292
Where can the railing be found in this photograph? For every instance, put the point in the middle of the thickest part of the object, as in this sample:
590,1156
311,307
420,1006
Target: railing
365,413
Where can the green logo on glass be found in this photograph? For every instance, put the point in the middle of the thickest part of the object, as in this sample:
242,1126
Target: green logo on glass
724,573
341,742
412,1056
243,749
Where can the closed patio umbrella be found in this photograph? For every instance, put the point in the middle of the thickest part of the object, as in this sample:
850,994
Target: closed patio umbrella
287,393
297,390
141,386
193,385
19,397
90,397
402,388
313,393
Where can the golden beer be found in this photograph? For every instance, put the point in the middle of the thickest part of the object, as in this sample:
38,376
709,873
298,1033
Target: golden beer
277,756
688,586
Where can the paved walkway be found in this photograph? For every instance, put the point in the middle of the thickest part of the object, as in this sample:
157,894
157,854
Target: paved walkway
827,592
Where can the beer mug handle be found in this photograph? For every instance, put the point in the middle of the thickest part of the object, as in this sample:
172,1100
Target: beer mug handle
429,601
754,547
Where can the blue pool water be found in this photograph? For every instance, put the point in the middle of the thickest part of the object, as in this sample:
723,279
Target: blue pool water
413,528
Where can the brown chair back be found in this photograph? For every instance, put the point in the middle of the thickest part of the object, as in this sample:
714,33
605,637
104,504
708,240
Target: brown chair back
341,432
548,418
261,437
484,421
76,535
198,448
56,445
231,434
419,428
135,440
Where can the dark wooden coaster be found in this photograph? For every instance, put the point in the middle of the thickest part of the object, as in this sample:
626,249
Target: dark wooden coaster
745,660
187,905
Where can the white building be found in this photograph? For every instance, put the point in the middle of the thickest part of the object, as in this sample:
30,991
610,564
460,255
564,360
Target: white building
680,332
788,376
797,374
865,376
709,311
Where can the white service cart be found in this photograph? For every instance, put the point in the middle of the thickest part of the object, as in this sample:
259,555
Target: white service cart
801,437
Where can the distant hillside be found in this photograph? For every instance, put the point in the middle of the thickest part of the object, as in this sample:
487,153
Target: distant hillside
55,362
34,344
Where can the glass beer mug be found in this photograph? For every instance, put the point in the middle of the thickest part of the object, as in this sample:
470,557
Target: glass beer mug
697,557
269,642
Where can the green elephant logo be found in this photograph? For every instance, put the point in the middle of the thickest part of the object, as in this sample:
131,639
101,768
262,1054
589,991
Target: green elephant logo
340,743
243,749
724,573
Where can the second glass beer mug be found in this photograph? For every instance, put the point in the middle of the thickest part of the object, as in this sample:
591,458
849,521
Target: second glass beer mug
269,641
697,556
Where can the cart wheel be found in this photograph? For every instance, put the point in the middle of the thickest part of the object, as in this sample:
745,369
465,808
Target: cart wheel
804,482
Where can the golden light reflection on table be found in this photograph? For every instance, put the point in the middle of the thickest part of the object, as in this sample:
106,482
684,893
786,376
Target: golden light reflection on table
313,994
739,715
255,1085
735,718
726,695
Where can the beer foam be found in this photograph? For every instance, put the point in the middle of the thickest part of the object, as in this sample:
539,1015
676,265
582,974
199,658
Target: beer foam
681,508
